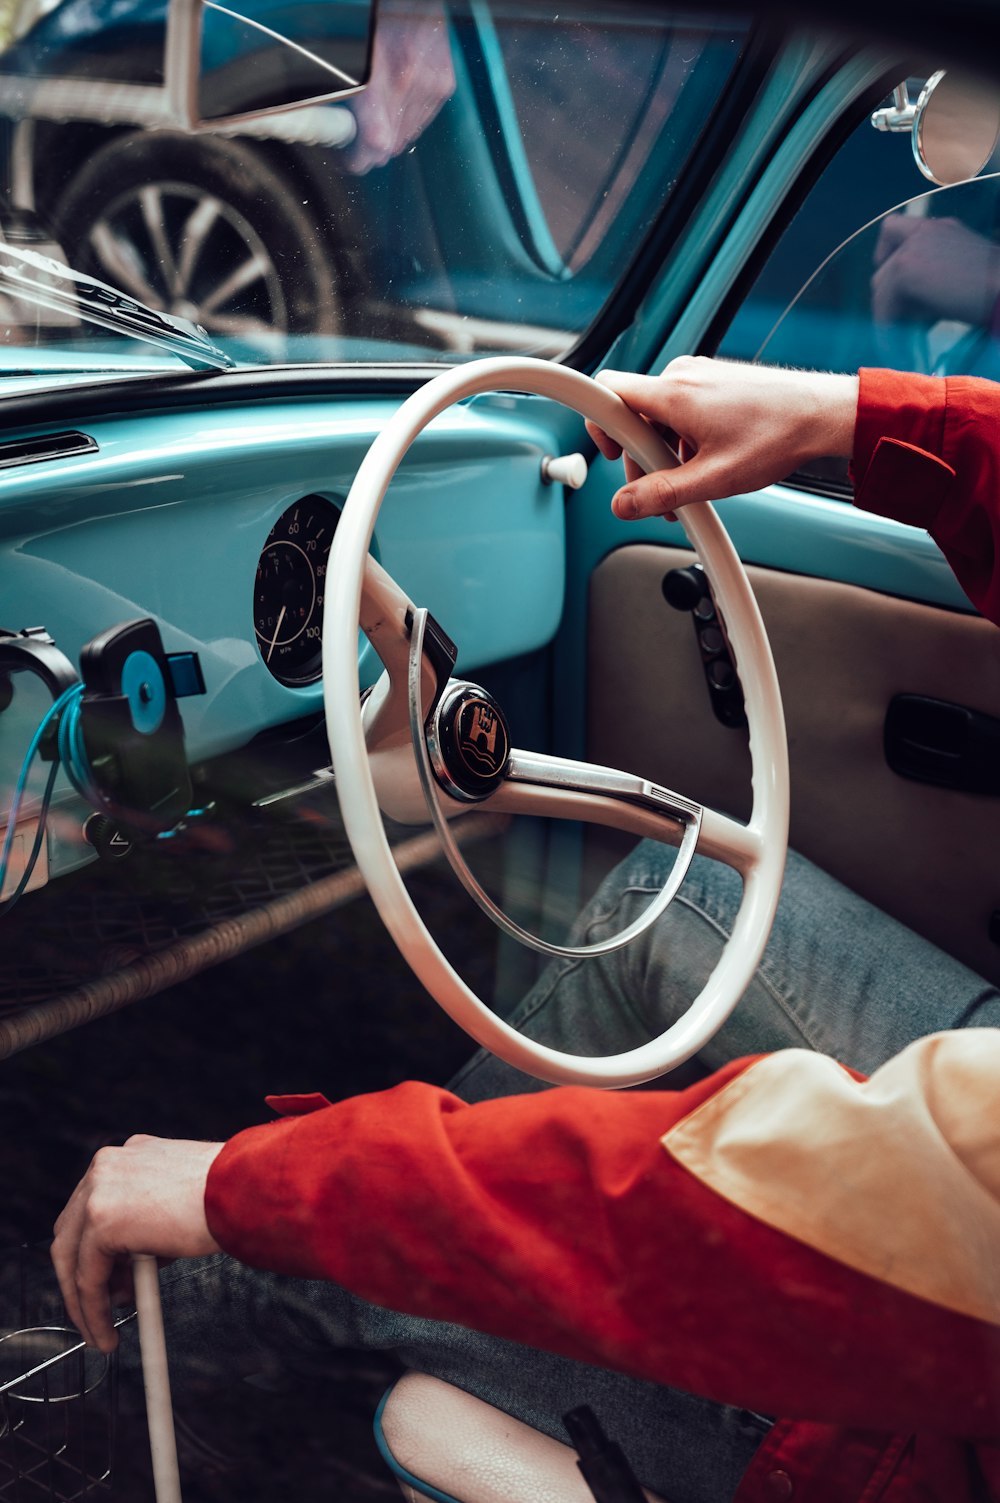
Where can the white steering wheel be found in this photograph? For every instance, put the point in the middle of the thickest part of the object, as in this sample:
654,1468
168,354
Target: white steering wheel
376,768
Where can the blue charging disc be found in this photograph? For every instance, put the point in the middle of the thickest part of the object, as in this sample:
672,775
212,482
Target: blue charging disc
143,687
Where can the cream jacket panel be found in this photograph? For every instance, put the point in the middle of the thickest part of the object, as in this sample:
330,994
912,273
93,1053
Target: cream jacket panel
897,1176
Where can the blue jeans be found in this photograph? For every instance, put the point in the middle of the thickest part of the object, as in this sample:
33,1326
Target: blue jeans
838,976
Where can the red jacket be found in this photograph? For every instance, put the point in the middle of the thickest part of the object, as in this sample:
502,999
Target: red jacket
739,1239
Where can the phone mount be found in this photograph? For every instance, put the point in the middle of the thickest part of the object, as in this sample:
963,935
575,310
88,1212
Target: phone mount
122,739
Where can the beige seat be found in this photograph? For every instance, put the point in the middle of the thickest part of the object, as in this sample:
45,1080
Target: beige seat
445,1445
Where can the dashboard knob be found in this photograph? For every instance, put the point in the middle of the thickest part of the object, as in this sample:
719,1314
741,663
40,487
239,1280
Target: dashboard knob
564,469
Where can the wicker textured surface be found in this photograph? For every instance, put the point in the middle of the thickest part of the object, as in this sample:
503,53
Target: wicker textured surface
124,930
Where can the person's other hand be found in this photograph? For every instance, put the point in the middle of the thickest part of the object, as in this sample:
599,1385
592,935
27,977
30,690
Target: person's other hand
933,268
739,427
412,77
147,1197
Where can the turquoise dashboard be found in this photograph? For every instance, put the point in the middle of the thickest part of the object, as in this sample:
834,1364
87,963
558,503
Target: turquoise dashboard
184,515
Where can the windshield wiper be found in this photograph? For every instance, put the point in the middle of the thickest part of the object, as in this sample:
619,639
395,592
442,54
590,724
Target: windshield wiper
46,283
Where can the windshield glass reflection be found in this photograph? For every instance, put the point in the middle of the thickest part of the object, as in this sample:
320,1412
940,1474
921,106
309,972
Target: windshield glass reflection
461,204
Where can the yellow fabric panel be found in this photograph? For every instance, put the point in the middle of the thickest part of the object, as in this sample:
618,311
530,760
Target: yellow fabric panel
897,1177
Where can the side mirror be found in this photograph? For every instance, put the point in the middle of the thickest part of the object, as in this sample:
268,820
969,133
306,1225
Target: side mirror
956,127
243,59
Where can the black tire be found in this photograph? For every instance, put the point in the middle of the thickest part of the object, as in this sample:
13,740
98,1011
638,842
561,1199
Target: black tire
254,261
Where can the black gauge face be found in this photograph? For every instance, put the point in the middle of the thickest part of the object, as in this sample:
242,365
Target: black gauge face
289,589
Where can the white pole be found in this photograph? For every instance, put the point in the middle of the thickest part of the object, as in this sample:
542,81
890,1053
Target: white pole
156,1379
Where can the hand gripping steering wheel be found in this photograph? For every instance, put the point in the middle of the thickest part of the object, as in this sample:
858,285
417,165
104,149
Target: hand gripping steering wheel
379,765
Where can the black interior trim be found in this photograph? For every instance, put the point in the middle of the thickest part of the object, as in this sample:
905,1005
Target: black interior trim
815,484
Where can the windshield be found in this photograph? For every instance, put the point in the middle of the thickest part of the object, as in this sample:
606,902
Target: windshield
462,204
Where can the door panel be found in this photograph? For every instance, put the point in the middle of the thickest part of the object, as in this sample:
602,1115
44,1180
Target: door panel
924,854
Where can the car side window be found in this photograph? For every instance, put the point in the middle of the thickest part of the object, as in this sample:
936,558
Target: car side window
913,284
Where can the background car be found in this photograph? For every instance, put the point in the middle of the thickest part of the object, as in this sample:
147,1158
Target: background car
292,224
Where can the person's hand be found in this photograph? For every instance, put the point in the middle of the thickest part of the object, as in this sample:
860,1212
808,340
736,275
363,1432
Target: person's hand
147,1197
933,268
739,427
412,77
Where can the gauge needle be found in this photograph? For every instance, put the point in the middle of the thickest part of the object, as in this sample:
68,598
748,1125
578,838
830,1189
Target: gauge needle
281,617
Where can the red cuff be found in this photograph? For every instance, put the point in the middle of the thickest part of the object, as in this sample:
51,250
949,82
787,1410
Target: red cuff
298,1105
904,482
899,440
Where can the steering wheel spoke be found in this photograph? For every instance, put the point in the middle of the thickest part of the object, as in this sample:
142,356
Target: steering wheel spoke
382,616
386,616
559,788
536,769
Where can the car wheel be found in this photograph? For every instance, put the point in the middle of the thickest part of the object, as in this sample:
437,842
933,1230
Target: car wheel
202,227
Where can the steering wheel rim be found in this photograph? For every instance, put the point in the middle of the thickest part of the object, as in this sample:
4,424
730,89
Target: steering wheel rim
758,853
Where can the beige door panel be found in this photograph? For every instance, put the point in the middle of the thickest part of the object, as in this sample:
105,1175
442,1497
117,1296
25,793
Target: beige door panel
926,855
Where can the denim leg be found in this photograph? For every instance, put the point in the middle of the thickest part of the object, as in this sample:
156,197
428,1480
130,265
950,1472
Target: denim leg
838,976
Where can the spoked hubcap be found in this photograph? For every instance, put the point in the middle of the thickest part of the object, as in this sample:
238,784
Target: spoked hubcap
189,253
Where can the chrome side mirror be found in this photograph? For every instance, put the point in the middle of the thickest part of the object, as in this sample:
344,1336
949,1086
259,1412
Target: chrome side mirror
230,63
954,125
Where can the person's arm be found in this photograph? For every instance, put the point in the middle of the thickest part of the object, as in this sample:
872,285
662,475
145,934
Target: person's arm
781,1236
924,450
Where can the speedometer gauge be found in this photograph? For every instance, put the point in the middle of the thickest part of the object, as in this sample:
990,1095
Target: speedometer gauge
289,589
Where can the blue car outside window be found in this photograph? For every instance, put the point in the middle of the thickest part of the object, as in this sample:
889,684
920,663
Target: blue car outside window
485,193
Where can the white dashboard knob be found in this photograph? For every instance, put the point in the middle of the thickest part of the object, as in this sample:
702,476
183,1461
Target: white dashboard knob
564,469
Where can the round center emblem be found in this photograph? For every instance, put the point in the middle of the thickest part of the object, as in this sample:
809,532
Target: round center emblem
481,738
470,747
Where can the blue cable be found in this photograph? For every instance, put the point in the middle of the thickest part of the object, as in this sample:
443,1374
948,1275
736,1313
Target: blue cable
72,755
73,752
69,697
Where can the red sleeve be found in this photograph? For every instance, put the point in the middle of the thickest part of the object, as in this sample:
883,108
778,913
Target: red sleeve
558,1220
927,452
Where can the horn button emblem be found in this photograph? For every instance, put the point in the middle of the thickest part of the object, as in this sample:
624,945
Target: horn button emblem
469,742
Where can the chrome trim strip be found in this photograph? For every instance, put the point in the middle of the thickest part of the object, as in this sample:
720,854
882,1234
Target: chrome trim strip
586,777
